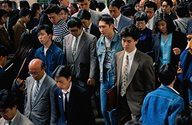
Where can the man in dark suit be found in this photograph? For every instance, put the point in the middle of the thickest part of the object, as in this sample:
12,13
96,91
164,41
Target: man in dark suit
73,105
3,58
134,76
88,26
79,48
120,21
39,100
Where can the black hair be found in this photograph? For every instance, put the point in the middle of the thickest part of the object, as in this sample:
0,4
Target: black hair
62,71
64,8
140,16
170,25
182,10
167,74
3,51
81,0
169,2
34,8
150,4
9,3
7,99
131,31
84,14
107,19
47,29
24,5
117,3
24,12
128,10
74,22
53,8
3,12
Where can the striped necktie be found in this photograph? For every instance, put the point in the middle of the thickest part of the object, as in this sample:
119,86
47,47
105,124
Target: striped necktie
125,76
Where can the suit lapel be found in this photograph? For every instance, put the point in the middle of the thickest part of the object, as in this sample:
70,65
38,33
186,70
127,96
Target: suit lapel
41,90
69,41
30,90
134,67
119,65
60,100
81,44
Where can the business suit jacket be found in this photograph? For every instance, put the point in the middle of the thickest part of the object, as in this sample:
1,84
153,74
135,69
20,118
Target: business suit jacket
94,16
94,30
141,79
124,22
84,62
79,111
19,119
40,112
18,29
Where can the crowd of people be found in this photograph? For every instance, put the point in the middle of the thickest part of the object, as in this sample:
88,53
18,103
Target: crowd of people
58,62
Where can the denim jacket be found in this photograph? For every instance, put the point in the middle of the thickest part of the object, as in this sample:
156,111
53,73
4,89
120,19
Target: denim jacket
54,57
161,106
116,46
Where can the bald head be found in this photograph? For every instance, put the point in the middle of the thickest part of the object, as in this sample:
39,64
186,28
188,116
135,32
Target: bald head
36,69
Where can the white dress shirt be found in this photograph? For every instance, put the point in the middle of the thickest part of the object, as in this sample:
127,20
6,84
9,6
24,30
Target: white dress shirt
64,92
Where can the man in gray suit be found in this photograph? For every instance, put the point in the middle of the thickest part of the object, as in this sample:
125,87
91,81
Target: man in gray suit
79,48
134,76
8,110
84,4
39,98
120,21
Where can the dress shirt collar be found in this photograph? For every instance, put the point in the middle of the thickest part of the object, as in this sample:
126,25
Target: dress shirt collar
42,79
1,66
131,54
118,19
174,90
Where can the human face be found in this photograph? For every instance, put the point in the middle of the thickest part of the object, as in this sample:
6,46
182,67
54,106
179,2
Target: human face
105,29
54,18
8,113
43,37
64,15
162,26
150,12
114,11
129,44
75,31
64,2
6,7
85,23
36,71
3,60
84,5
62,82
141,25
27,19
166,8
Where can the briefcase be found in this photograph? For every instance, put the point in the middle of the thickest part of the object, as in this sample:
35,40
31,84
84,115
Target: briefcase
112,98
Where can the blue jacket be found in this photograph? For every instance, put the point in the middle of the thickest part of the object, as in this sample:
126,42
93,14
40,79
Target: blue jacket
101,51
161,106
54,57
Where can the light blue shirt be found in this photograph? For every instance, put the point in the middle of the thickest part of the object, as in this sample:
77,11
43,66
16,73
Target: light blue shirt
165,47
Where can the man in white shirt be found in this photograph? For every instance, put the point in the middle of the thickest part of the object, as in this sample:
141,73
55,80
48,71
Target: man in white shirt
137,78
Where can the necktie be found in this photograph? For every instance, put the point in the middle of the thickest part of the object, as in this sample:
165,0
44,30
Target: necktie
87,30
125,76
66,105
74,47
36,90
9,122
115,22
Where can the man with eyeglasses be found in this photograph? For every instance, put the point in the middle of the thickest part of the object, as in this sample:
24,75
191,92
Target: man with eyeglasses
39,94
9,112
